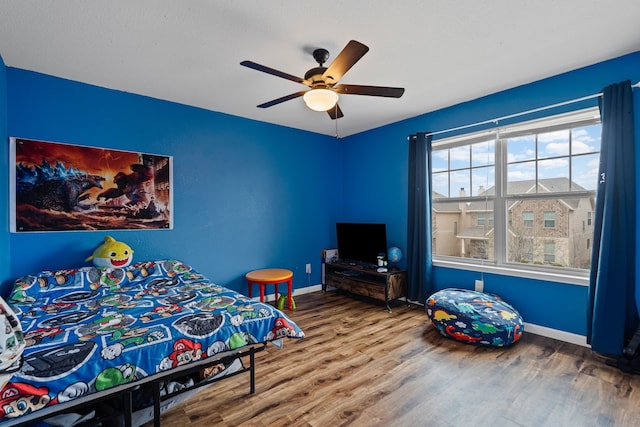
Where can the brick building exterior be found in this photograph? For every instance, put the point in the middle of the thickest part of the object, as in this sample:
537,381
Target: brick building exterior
554,231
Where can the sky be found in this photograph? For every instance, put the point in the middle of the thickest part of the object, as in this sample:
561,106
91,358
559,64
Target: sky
570,153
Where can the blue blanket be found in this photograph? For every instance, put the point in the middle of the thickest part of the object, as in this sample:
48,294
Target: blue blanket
92,328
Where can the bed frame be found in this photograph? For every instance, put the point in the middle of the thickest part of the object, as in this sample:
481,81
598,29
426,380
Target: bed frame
124,393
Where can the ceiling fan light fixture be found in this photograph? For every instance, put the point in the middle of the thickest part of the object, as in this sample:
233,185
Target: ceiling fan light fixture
320,99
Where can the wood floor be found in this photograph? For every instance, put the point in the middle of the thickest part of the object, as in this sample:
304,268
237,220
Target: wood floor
361,366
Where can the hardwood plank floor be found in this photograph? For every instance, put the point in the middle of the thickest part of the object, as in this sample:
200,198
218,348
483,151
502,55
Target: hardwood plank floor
362,366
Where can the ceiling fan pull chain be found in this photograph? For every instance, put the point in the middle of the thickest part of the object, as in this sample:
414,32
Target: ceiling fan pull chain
336,120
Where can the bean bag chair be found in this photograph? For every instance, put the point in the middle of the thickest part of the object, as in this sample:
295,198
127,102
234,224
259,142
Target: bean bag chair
474,317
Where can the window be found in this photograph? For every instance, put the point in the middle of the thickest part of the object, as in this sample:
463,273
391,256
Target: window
549,252
527,218
549,219
494,185
482,218
526,250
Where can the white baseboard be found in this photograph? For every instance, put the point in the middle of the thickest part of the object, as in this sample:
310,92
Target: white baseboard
297,291
556,334
528,327
549,333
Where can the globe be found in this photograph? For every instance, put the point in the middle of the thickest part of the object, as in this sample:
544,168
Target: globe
394,254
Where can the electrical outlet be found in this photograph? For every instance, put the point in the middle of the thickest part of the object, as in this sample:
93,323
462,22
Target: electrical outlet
308,268
479,285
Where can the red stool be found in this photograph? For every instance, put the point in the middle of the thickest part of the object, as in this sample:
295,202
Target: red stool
271,276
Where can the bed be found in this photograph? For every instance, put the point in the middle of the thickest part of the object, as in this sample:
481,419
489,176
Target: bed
116,337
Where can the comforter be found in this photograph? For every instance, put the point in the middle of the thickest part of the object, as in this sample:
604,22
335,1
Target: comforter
90,329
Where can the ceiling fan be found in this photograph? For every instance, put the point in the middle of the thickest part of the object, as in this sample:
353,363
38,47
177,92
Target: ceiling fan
323,95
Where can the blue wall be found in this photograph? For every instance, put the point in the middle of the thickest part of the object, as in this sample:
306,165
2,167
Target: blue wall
250,195
5,273
375,182
247,194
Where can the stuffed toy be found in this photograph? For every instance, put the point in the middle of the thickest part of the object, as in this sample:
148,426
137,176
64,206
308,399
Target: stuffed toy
112,254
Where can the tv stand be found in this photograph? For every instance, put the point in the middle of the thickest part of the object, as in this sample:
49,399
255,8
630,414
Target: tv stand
365,280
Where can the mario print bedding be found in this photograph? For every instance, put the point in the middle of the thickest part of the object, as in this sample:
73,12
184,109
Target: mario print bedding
93,328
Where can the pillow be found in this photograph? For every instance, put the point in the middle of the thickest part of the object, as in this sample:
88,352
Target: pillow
474,317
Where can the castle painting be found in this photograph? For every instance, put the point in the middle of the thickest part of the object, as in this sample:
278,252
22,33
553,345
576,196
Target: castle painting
63,187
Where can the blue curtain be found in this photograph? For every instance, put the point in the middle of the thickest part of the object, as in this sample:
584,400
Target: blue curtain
419,219
612,313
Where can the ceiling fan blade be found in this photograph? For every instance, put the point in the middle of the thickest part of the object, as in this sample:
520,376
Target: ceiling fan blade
335,112
389,92
283,99
274,72
351,54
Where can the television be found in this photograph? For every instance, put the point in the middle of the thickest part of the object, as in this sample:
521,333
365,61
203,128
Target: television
361,242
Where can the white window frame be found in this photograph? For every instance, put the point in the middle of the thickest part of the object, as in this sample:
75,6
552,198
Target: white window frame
549,222
482,219
499,265
528,253
550,255
526,222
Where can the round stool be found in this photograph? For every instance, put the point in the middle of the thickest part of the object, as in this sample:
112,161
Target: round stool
271,276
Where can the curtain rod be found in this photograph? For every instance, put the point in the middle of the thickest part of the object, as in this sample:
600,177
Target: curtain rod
524,113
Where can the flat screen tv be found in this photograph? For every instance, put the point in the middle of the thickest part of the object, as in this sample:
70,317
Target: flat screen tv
361,242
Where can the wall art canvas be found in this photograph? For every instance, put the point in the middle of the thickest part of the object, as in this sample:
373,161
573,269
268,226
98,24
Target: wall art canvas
63,187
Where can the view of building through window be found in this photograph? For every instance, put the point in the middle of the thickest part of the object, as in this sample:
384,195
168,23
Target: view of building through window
523,194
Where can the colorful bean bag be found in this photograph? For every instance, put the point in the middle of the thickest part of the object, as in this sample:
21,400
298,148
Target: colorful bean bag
474,317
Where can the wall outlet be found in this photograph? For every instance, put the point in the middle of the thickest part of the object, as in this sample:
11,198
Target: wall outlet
308,268
479,286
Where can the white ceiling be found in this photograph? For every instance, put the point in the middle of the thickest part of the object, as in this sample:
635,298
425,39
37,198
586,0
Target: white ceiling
442,52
